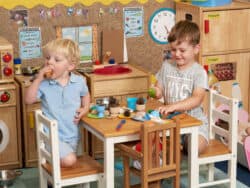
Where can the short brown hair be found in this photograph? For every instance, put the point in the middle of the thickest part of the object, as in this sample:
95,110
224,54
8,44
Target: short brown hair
185,30
68,47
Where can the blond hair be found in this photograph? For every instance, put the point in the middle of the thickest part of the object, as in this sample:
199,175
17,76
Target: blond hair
67,47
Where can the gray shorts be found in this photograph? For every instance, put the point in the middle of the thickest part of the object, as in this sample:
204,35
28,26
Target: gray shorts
203,129
66,148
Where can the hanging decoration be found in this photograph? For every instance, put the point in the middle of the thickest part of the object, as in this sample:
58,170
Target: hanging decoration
50,3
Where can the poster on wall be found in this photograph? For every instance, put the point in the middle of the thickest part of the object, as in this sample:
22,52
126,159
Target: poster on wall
133,21
30,43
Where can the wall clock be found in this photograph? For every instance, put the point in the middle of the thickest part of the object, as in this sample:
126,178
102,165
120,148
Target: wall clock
160,24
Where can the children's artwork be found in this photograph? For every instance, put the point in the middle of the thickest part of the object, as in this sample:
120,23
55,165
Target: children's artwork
133,21
30,43
20,17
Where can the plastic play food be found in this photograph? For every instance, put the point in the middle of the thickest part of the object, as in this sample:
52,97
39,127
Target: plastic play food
48,74
152,92
212,79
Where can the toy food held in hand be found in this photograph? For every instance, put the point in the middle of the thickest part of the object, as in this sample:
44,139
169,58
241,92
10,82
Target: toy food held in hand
152,92
48,74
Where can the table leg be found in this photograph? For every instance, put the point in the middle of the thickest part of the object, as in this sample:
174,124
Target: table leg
193,166
109,162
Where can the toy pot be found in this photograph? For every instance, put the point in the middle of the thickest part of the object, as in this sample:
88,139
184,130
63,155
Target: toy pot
115,110
140,107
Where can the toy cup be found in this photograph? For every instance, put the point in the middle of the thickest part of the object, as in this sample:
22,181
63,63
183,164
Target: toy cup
131,102
100,110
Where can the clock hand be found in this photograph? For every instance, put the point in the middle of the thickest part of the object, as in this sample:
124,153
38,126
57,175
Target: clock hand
166,29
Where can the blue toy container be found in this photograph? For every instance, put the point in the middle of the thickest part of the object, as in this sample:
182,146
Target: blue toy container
211,3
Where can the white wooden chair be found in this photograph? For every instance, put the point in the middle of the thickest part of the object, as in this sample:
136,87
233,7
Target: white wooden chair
217,150
86,170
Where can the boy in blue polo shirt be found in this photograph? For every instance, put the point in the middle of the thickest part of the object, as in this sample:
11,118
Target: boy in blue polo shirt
64,95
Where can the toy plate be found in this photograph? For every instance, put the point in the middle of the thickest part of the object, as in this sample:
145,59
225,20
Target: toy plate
124,117
138,118
94,116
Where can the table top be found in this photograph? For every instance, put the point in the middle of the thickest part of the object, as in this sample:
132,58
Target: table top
107,127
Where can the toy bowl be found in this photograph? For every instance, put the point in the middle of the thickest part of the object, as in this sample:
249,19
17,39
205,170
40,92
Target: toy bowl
7,177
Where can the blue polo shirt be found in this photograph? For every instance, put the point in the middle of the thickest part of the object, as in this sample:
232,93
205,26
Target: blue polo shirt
60,103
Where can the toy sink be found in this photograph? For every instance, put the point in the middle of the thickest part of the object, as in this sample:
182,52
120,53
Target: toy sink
112,70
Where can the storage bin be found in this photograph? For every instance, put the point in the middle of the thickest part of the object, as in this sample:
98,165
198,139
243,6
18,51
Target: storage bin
211,3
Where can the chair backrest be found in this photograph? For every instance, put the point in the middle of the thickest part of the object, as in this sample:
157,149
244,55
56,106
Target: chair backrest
229,117
48,144
160,153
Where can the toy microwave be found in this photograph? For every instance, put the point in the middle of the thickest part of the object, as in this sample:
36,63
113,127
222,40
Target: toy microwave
6,61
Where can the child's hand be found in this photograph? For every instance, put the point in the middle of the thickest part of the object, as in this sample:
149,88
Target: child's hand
78,115
165,110
42,72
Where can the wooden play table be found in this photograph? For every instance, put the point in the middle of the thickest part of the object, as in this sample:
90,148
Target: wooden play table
105,130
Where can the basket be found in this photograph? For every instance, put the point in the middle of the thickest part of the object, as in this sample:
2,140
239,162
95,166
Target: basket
211,3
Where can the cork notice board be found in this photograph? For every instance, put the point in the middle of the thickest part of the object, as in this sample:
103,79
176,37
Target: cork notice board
112,41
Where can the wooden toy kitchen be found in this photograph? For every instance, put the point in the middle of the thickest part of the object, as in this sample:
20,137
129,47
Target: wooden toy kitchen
138,48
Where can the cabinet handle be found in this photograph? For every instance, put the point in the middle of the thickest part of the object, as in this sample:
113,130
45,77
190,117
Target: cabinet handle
206,26
31,120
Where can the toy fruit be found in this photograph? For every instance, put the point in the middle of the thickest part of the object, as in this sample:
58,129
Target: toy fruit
152,92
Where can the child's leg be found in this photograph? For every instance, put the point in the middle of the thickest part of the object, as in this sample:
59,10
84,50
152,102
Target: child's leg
69,160
67,154
203,143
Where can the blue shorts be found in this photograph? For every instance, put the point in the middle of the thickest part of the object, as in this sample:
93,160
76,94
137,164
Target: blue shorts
66,148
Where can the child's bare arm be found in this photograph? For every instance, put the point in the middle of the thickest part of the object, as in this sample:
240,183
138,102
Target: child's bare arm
84,109
187,104
31,92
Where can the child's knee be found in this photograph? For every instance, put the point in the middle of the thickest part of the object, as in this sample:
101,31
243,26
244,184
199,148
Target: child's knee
202,144
69,160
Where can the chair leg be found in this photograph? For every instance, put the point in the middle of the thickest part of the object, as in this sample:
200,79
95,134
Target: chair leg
126,178
176,181
43,180
100,182
232,172
86,185
211,172
56,185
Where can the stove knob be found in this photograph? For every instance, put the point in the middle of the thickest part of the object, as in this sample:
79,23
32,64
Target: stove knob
5,97
7,58
7,71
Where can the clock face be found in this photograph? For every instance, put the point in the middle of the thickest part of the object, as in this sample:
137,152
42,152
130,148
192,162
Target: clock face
160,24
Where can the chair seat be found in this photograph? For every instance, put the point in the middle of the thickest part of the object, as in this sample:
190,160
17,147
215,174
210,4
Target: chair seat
215,147
85,166
127,149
